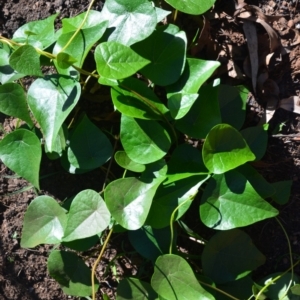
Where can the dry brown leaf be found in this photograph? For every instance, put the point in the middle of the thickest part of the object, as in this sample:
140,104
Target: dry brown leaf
290,104
251,35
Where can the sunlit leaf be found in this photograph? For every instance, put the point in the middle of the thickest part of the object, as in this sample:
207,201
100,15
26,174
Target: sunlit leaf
191,6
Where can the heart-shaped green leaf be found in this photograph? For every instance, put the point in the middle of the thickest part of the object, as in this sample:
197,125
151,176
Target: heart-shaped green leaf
21,151
144,141
44,222
98,150
117,61
191,6
39,34
129,200
51,99
13,102
135,289
134,99
129,21
71,273
229,201
26,60
166,49
202,115
282,191
125,162
225,149
229,256
88,216
174,279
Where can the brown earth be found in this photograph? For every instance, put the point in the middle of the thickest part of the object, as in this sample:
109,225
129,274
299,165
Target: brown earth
23,273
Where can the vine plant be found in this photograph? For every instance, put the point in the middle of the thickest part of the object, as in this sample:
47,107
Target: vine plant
164,97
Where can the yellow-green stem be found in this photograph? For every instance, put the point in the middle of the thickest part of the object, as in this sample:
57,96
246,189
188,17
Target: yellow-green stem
97,262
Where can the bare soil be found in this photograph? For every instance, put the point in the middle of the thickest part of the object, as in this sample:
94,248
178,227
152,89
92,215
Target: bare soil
23,273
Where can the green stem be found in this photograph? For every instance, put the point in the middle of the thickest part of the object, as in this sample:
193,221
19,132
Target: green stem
79,28
97,262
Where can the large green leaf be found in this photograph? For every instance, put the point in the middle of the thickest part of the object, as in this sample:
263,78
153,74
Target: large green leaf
21,151
229,201
7,73
225,149
166,49
71,273
88,216
144,141
183,93
233,104
117,61
129,200
129,21
51,99
202,115
89,34
97,150
26,60
229,256
134,99
150,242
13,102
135,289
168,197
39,33
174,279
193,7
44,222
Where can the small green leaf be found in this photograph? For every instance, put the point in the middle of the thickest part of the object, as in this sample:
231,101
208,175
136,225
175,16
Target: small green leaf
225,149
257,140
161,13
166,49
7,73
135,289
26,60
134,99
202,115
150,242
144,141
98,148
233,104
117,61
88,216
229,201
229,256
191,6
41,33
168,197
283,191
44,222
51,99
180,104
129,21
125,162
129,200
279,288
174,279
13,102
64,60
71,273
21,151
